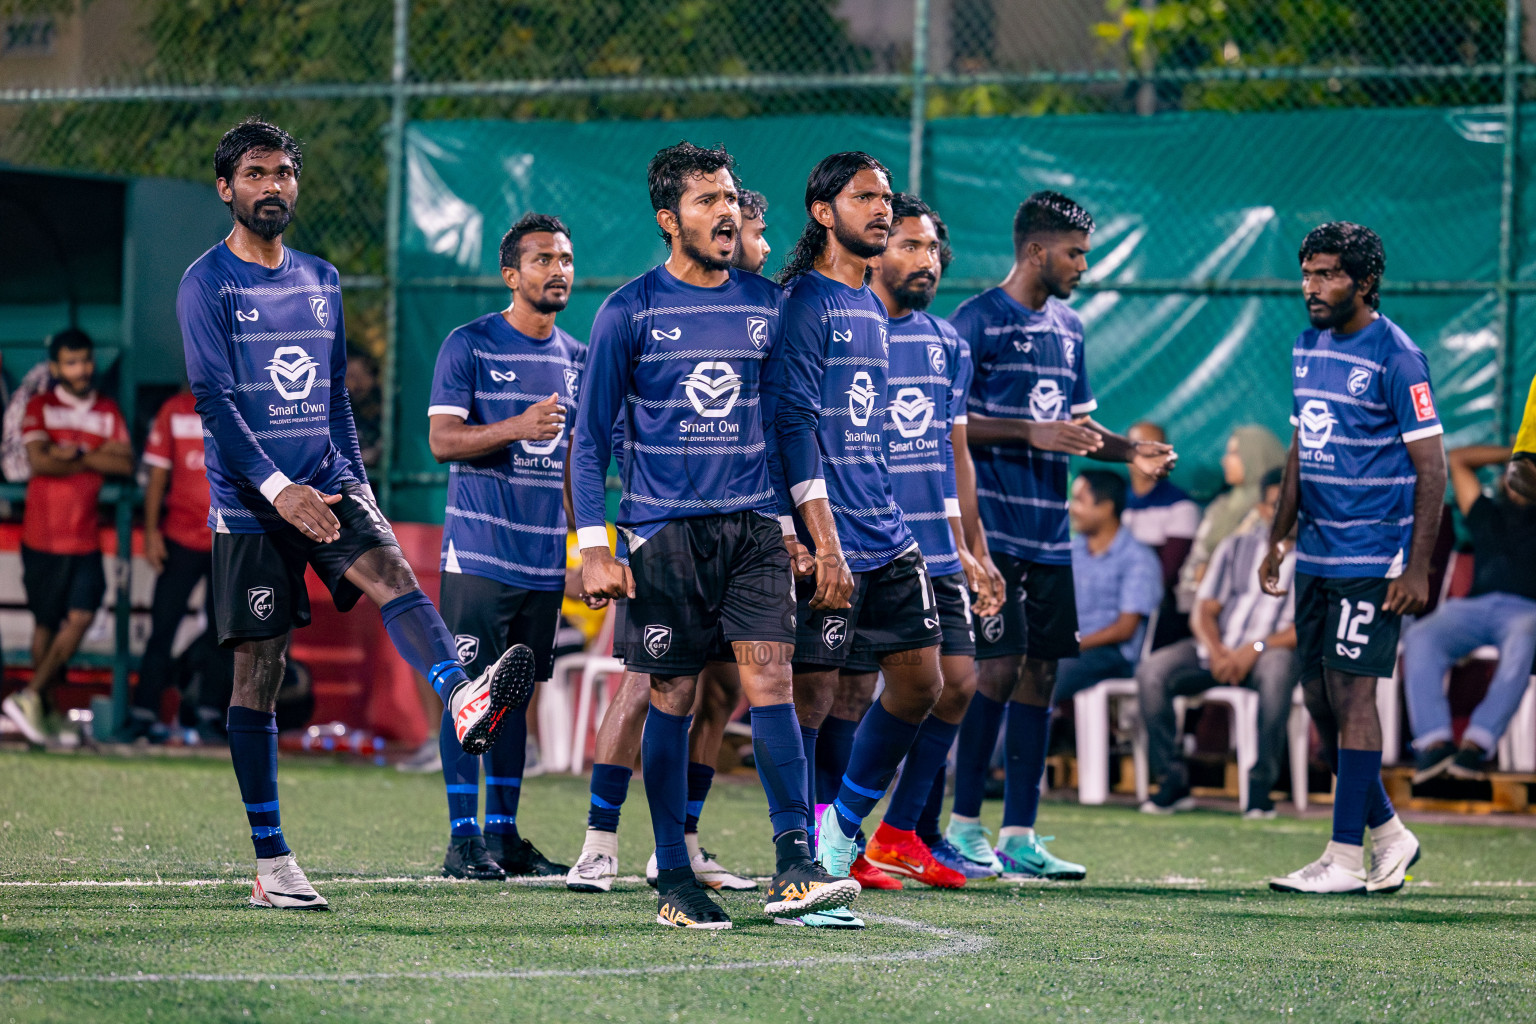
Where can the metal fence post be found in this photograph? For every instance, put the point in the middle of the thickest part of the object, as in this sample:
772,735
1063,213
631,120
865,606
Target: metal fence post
919,123
394,152
1506,392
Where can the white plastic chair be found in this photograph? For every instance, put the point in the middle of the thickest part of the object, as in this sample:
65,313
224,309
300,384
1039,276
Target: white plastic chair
1244,705
1090,713
593,664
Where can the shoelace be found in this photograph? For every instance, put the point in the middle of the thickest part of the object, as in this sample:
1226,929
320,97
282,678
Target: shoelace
589,864
977,847
291,877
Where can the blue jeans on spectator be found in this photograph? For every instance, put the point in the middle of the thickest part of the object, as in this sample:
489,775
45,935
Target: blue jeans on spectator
1458,627
1090,667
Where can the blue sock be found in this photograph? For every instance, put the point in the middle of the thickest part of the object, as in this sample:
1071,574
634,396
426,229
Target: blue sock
504,773
833,748
1359,773
808,738
664,762
778,748
700,777
882,741
1029,731
929,752
461,777
253,749
1378,806
418,633
978,738
928,822
610,785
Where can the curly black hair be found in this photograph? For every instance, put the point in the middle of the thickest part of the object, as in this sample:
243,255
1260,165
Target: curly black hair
529,224
826,180
1359,250
669,171
1048,213
253,134
753,204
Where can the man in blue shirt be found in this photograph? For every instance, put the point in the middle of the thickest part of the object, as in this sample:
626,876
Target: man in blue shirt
1365,482
266,357
1029,413
677,353
500,394
826,387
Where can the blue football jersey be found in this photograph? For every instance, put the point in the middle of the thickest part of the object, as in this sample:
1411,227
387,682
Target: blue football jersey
1357,400
267,361
1028,365
826,388
681,365
930,373
505,517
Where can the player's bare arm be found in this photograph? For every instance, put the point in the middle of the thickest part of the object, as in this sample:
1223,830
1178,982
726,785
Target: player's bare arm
111,458
1464,463
1051,436
154,495
834,580
49,459
1409,593
308,511
1285,522
453,440
1155,458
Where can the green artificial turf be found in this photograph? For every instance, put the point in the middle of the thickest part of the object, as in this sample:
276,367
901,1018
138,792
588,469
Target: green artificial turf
1174,922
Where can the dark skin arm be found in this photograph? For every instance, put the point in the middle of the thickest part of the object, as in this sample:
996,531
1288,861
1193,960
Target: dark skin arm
1117,632
1155,458
1285,522
1053,436
154,493
1464,464
453,440
113,458
49,459
834,580
1409,593
972,537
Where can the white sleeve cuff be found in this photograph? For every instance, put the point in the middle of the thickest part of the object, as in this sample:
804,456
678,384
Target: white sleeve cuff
1083,408
1423,432
273,485
808,490
158,461
961,420
592,537
952,508
787,525
448,410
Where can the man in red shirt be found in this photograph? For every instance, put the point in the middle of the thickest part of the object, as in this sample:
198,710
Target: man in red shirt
74,437
178,545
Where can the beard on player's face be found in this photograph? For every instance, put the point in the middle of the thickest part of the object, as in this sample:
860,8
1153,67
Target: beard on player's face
1059,277
858,240
914,290
693,244
267,217
1331,316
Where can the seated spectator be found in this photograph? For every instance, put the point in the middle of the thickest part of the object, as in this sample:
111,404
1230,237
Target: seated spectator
1117,583
1501,611
1242,637
1252,451
1159,513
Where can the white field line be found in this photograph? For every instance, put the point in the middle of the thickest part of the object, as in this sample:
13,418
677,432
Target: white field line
192,883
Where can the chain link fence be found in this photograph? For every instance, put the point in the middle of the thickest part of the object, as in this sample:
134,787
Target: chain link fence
145,87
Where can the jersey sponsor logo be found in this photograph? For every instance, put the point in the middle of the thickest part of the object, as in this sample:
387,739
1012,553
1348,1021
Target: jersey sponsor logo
186,426
543,447
1046,400
931,623
571,379
658,640
1301,371
846,337
673,335
1023,345
1317,422
991,628
321,309
503,376
834,630
713,388
261,602
242,316
1423,402
757,331
912,412
1345,651
1359,380
936,358
861,399
293,372
467,647
87,421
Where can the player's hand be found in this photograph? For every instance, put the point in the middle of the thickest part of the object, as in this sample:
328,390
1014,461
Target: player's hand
1064,436
834,581
605,576
154,549
980,583
309,512
1408,594
1269,571
65,452
594,602
997,586
1154,458
541,421
800,558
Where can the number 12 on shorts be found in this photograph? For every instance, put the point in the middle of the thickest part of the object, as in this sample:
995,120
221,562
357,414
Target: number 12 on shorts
1352,616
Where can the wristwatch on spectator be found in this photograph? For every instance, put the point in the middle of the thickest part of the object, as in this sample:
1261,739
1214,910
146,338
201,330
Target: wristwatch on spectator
1258,647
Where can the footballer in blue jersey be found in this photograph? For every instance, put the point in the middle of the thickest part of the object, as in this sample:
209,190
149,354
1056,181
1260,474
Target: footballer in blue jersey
266,358
502,389
866,583
1029,414
678,354
1364,486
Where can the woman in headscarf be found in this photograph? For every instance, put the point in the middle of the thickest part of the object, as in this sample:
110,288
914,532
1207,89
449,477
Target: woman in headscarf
1252,451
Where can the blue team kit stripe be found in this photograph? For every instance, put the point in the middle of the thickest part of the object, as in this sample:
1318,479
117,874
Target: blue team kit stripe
464,788
270,805
502,780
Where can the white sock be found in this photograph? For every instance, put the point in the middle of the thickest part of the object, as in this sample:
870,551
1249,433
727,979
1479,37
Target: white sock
1345,856
1009,831
692,841
598,841
1388,829
962,819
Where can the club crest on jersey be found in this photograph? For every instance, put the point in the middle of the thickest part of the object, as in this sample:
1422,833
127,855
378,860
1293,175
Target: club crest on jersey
757,331
503,376
658,640
1316,422
571,379
293,372
885,339
261,602
1046,400
834,630
936,358
911,412
713,388
467,647
321,309
673,335
1068,349
991,628
861,399
1359,380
